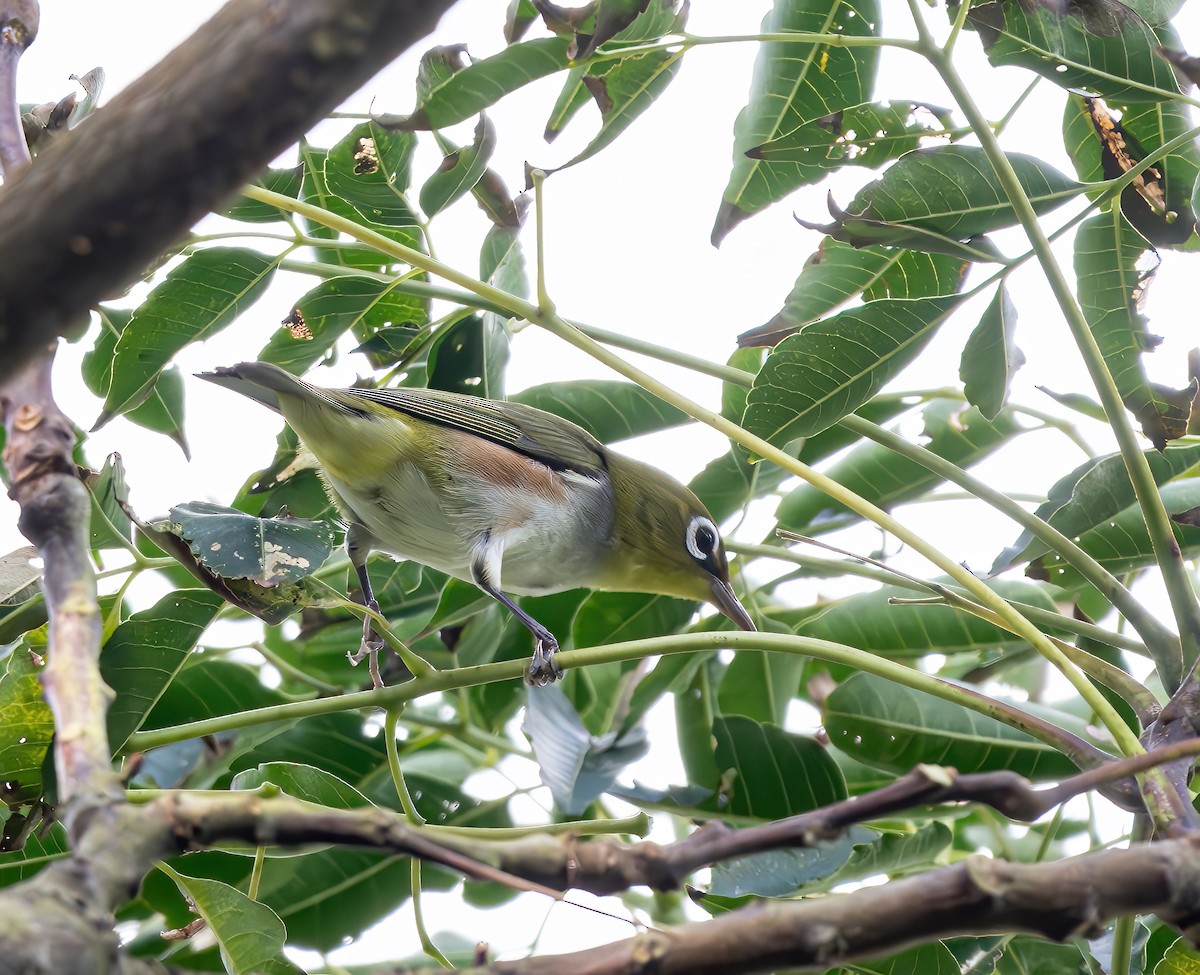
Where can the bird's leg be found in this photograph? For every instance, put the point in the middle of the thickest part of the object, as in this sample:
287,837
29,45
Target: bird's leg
543,669
358,548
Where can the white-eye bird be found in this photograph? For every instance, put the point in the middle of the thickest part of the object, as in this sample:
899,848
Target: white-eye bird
509,497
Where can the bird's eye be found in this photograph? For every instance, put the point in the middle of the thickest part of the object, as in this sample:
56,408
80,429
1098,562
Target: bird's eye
702,538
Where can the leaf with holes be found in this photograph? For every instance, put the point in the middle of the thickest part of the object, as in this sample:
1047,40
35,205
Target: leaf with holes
869,134
1105,48
1113,276
364,306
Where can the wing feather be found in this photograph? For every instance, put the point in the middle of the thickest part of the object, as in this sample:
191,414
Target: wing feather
551,440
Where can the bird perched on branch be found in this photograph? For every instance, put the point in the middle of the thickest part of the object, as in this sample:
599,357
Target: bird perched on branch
509,497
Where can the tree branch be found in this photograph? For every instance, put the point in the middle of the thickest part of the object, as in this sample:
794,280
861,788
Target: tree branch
1070,898
105,200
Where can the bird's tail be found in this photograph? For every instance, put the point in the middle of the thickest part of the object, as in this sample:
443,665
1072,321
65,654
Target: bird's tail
261,381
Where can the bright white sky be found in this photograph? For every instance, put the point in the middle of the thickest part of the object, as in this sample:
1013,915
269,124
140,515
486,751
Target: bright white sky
628,251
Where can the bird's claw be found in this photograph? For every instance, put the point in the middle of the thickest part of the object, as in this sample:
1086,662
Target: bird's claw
369,648
543,669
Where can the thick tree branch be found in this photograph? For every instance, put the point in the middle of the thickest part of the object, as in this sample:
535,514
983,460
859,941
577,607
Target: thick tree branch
18,27
105,200
55,511
1071,898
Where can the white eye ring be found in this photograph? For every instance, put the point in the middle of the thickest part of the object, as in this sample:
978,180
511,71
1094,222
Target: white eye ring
692,539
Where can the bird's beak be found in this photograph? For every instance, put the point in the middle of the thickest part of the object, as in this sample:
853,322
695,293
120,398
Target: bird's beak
724,599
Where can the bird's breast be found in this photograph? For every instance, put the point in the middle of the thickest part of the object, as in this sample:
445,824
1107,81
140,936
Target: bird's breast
554,527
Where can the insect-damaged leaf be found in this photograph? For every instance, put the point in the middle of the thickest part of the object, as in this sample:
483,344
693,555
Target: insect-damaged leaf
861,135
1105,142
1103,46
1112,276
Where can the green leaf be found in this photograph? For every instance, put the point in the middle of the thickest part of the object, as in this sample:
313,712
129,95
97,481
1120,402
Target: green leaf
470,356
210,688
286,181
1121,544
891,853
614,617
1180,959
250,934
858,853
831,368
760,685
1033,956
795,84
769,773
730,481
869,134
460,169
369,170
267,551
314,190
956,433
947,190
623,93
838,271
467,92
607,409
39,848
110,526
904,632
352,303
19,576
305,782
571,99
1093,493
1111,279
265,557
146,651
162,410
611,18
1103,48
501,260
26,727
895,728
198,298
931,959
989,359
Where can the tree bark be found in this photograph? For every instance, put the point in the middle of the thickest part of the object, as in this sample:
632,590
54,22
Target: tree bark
105,200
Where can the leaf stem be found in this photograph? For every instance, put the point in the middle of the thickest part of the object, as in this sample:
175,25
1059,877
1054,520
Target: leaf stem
427,945
393,759
392,697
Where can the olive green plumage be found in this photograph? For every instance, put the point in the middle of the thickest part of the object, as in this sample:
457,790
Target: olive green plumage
512,498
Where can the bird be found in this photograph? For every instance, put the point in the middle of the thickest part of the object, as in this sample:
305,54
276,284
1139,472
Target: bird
509,497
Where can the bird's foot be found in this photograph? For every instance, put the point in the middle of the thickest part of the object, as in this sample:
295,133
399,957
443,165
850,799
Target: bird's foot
543,669
369,648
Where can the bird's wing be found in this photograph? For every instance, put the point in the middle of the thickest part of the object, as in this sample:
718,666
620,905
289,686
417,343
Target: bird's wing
553,441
